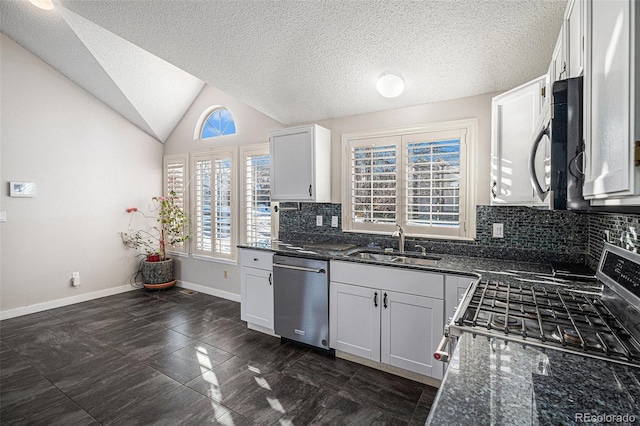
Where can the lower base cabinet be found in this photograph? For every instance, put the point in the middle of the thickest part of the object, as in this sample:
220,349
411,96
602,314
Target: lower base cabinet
257,288
394,328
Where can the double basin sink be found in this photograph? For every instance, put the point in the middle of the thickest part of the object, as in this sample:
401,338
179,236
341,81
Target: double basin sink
398,258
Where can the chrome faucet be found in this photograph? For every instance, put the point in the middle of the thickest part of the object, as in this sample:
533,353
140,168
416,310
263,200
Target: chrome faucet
399,232
424,249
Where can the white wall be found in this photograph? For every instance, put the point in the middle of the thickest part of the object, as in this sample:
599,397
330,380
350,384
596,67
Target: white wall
472,107
89,165
252,127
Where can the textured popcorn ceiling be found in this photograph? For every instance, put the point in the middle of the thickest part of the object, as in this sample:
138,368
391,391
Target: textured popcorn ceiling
305,61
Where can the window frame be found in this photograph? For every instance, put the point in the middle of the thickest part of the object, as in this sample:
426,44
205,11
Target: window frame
213,155
204,117
404,136
182,159
247,151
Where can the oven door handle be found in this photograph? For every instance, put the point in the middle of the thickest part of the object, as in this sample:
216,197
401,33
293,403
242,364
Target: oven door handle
299,268
440,354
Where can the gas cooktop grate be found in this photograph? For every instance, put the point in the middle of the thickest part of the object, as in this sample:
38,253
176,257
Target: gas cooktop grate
569,320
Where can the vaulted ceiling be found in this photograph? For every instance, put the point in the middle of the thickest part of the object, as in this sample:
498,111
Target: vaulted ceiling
294,61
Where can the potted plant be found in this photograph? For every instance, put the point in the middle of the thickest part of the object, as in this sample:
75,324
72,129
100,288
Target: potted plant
170,229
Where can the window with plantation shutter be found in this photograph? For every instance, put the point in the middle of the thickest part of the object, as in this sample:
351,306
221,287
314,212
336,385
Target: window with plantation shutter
214,190
419,178
175,179
257,212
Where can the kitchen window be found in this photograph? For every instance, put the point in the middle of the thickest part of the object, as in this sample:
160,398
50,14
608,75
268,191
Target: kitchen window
420,178
175,173
259,220
214,204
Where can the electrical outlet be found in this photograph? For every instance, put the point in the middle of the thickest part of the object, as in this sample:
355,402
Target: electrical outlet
318,220
334,221
75,279
226,273
3,216
498,230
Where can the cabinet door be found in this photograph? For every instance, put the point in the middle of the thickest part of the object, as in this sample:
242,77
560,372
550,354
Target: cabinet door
558,65
354,320
574,37
292,164
515,117
608,154
257,297
412,327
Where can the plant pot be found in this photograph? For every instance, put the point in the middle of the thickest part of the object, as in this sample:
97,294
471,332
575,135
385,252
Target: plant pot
153,257
158,274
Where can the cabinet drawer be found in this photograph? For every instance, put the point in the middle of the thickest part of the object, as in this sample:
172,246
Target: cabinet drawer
409,281
257,259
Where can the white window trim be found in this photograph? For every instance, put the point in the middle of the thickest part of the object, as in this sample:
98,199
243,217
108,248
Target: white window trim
184,159
212,154
246,151
467,218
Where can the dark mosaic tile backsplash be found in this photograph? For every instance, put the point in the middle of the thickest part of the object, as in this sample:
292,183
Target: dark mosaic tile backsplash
623,231
529,234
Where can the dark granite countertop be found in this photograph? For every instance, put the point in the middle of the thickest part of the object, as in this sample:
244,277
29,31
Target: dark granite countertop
492,381
514,272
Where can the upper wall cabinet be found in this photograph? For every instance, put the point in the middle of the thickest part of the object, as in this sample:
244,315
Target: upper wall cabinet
301,164
612,101
515,116
574,39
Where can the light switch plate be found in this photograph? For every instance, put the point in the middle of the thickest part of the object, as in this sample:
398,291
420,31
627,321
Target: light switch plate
334,221
498,230
3,216
318,220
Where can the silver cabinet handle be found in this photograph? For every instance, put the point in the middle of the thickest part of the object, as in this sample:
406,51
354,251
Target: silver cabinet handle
375,299
440,354
299,268
493,189
310,193
270,282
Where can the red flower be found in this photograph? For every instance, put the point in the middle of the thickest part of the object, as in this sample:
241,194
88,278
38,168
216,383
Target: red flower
132,209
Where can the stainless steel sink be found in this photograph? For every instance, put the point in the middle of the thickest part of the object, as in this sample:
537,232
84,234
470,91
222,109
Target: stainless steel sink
374,256
408,259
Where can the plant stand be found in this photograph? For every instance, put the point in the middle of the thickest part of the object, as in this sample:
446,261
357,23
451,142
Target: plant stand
158,275
160,286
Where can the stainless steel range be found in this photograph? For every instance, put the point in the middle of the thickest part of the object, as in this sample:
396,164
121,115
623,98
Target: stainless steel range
604,325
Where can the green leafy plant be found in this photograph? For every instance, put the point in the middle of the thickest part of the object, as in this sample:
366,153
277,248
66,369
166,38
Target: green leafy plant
170,229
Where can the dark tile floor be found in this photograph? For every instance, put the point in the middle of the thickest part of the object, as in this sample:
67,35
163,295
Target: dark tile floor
173,358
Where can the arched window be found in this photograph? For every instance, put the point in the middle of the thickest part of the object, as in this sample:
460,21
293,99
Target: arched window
219,122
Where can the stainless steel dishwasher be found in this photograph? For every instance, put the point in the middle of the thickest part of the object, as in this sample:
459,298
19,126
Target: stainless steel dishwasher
301,299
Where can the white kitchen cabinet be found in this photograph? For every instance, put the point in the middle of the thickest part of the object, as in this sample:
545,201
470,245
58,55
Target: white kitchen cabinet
411,327
558,64
612,154
301,164
386,314
574,26
515,118
354,320
257,288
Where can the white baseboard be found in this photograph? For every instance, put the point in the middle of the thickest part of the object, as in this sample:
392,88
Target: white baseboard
210,291
58,303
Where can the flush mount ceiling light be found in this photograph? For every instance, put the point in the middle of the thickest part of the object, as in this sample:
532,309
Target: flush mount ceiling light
390,85
42,4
